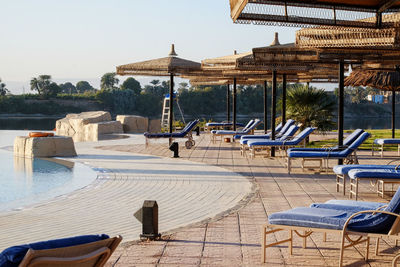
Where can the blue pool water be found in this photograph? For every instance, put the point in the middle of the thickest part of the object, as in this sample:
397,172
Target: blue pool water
25,181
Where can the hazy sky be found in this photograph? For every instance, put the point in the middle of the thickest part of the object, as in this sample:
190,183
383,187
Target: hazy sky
83,39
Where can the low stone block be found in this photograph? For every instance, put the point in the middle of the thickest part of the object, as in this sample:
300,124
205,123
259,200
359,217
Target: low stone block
55,146
93,131
133,123
154,126
74,123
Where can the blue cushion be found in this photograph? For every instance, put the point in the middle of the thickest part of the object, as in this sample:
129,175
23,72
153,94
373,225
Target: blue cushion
223,124
180,134
348,205
312,217
344,169
288,123
292,153
12,256
378,223
374,173
346,142
387,141
246,138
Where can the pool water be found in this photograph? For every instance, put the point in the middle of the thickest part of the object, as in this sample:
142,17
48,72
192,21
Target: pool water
25,181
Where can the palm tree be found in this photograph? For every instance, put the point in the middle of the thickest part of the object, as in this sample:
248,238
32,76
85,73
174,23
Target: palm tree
108,81
3,89
40,84
310,107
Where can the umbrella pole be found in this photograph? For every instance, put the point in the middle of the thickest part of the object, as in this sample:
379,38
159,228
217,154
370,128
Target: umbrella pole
283,99
340,106
171,101
228,103
265,107
393,113
234,104
273,115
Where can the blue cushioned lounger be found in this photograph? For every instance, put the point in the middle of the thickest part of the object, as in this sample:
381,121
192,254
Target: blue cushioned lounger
346,142
378,177
185,133
279,130
342,171
386,141
249,129
220,125
347,222
282,143
249,124
348,153
94,248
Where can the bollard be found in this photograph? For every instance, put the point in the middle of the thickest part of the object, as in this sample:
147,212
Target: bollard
197,130
175,148
148,216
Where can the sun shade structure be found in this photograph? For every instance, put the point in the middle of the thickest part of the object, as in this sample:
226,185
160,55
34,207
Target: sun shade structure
166,66
380,79
298,13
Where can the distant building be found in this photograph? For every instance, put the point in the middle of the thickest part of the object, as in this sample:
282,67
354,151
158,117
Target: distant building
379,99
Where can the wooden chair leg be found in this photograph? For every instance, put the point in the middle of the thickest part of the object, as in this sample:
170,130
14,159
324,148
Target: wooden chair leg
342,250
305,240
264,240
367,250
377,247
324,237
291,242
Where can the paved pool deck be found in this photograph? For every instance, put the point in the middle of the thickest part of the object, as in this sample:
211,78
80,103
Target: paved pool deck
212,202
187,192
234,240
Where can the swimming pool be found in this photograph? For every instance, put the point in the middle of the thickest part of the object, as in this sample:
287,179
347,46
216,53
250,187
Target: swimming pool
25,181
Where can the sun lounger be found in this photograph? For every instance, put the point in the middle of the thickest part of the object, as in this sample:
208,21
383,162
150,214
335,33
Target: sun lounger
386,141
283,143
280,131
378,178
378,223
244,139
185,133
348,154
221,125
249,129
342,171
346,142
88,250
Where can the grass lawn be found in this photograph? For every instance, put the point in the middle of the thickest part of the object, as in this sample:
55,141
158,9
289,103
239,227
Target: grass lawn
375,134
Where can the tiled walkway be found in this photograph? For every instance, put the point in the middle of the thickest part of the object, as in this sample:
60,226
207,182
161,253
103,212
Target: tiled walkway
186,192
234,240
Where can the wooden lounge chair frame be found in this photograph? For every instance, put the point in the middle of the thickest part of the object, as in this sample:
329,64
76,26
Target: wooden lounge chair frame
282,149
251,132
90,254
324,162
380,151
345,234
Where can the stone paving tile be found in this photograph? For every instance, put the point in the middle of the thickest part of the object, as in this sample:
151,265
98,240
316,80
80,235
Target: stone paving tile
234,239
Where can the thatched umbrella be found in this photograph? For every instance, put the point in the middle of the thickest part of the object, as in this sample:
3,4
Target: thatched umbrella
166,66
379,79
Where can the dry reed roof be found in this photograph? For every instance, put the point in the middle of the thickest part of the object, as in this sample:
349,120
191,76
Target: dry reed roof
344,13
384,80
160,67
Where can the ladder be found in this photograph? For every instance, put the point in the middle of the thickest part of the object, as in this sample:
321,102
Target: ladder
165,112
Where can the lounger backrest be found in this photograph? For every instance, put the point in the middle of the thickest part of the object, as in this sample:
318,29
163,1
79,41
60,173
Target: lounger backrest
191,126
289,133
364,136
249,124
279,127
284,129
252,127
187,126
378,223
352,137
303,134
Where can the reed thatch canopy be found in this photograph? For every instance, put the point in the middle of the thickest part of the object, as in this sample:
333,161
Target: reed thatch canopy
344,13
383,80
160,67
